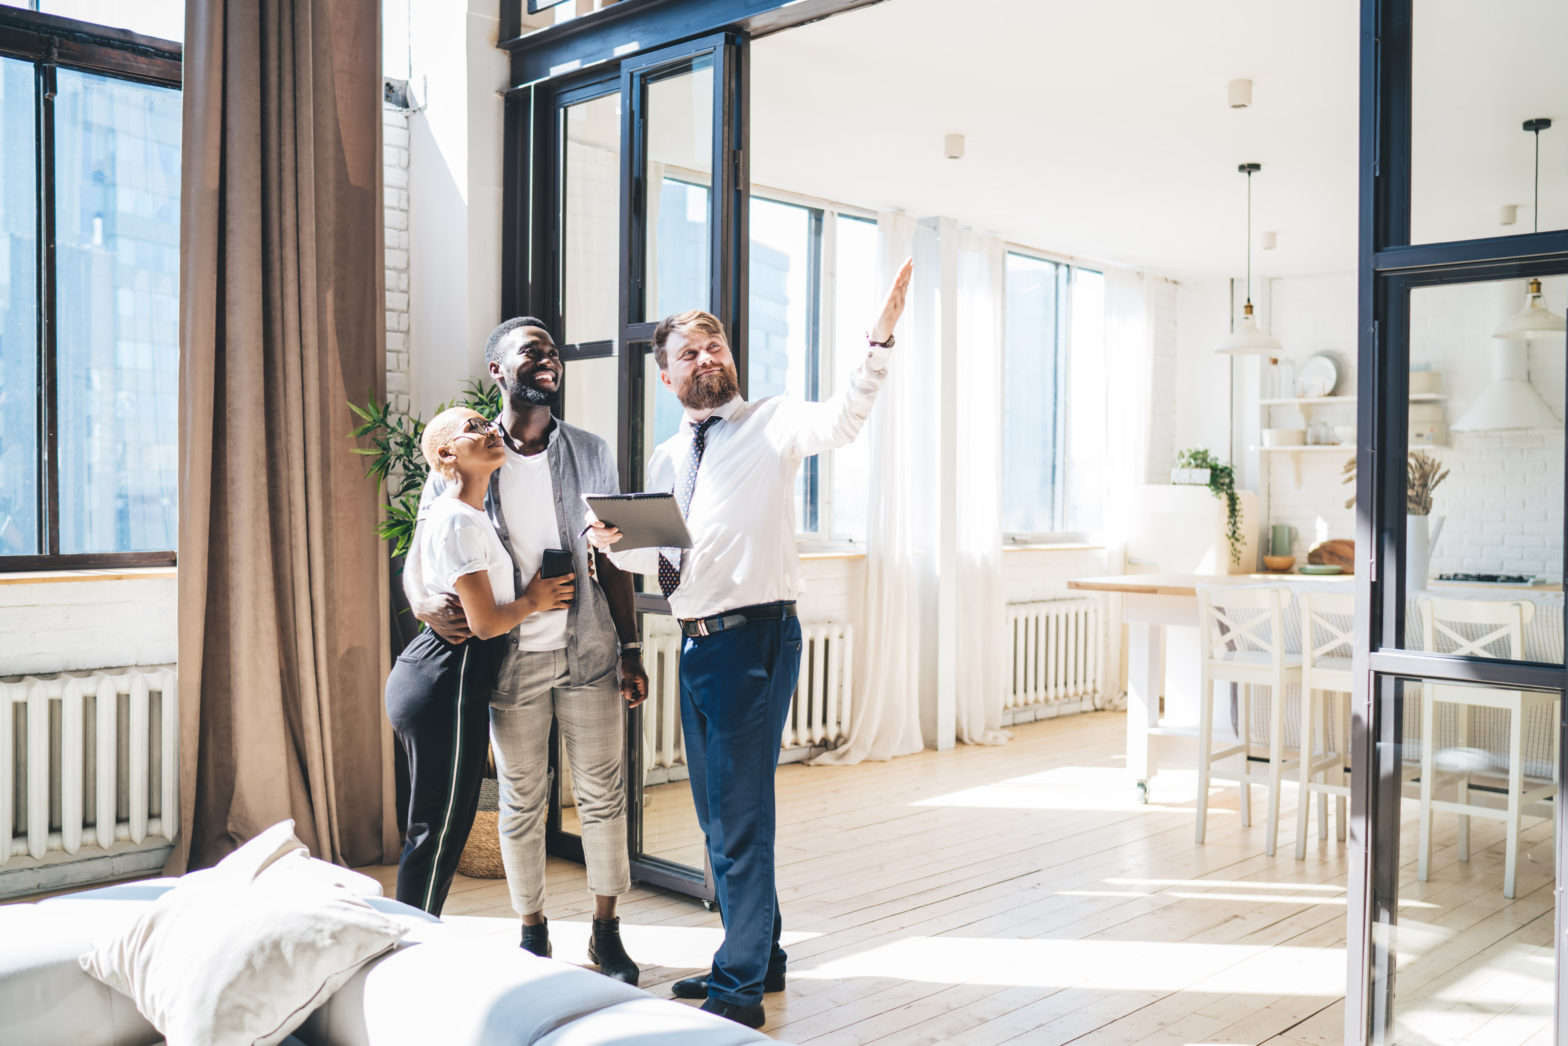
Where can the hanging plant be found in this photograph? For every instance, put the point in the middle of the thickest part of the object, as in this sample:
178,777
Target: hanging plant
1222,484
398,462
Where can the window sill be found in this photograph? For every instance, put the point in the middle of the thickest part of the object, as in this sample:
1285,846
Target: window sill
1051,546
52,577
833,550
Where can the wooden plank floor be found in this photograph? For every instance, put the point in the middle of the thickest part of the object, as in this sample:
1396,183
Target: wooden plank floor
1021,894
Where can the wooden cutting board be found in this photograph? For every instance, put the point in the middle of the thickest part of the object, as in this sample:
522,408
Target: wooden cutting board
1339,552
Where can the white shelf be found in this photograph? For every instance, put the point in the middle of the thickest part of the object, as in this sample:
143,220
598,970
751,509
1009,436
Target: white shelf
1342,448
1324,401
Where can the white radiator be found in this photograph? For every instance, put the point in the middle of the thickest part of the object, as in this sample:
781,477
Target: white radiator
819,714
1056,647
88,757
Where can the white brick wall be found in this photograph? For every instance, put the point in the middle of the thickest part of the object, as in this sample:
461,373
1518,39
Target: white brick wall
1503,500
81,625
394,130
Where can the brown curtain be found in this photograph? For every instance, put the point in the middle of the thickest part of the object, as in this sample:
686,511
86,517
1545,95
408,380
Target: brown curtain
281,579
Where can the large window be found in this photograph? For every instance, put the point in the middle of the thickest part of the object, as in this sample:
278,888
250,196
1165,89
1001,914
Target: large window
89,291
1049,455
806,259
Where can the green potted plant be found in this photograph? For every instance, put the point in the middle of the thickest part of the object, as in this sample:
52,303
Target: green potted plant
1199,467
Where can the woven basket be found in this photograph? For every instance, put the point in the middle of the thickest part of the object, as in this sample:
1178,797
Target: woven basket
482,854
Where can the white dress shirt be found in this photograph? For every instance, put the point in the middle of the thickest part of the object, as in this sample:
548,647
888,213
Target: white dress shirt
742,514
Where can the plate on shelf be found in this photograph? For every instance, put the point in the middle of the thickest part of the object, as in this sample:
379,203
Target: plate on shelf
1320,568
1317,377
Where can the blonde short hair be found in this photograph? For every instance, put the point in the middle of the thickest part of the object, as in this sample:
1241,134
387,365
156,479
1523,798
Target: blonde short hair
440,432
690,320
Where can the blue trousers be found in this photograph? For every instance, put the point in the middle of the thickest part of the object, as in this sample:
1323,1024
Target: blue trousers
735,694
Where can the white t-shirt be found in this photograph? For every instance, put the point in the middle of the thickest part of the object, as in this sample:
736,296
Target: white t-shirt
528,504
457,539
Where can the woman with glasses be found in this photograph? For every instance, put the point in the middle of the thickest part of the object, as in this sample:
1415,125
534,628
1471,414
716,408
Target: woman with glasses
438,694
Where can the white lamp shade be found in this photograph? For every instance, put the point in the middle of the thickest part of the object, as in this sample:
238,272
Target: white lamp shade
1510,402
1248,340
1535,320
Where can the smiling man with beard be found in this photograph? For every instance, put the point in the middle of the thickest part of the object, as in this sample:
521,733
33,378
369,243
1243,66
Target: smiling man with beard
732,468
580,667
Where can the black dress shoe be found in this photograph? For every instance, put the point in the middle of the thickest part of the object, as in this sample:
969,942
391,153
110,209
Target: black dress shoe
697,987
536,939
753,1016
605,949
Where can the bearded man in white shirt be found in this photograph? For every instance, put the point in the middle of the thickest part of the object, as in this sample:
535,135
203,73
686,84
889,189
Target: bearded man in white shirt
732,468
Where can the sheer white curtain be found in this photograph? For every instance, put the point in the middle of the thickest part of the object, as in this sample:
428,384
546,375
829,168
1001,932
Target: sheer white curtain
886,718
981,611
1129,362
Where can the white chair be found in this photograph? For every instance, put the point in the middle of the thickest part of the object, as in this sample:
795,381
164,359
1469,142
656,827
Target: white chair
1478,628
1242,641
1328,635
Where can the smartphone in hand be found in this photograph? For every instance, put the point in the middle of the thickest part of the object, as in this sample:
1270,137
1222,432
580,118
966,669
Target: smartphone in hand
556,562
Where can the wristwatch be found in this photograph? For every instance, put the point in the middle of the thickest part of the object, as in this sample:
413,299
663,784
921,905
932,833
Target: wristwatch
626,647
879,344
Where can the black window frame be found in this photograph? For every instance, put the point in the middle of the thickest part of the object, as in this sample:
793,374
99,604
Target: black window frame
51,42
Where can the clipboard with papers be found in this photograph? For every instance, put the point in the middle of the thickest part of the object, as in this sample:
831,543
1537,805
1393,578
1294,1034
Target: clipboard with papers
649,520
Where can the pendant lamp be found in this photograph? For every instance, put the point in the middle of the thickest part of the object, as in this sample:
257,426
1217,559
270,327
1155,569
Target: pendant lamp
1248,339
1535,320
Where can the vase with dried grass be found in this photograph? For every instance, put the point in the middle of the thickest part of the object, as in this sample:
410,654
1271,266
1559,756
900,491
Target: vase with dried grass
1423,473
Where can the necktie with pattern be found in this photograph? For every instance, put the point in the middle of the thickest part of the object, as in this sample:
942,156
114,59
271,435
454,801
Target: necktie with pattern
670,568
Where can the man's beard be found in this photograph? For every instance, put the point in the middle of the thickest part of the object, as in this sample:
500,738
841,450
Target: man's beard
710,389
520,392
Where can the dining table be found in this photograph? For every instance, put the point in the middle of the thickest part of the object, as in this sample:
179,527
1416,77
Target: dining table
1160,611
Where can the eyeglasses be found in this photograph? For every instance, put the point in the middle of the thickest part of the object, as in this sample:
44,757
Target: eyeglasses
477,427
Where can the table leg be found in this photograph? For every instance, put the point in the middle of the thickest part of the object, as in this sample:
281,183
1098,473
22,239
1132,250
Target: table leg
1145,670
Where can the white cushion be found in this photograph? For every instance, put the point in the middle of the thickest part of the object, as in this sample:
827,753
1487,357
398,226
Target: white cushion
243,952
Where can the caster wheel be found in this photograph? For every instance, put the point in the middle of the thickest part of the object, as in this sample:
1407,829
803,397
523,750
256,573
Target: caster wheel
711,906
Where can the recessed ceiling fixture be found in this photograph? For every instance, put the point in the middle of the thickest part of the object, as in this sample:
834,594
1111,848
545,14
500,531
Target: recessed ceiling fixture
1535,320
1247,339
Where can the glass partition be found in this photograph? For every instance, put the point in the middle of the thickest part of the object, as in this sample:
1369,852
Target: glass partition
1468,878
1484,483
1478,72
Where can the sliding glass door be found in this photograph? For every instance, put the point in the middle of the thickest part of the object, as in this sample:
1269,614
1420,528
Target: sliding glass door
1457,837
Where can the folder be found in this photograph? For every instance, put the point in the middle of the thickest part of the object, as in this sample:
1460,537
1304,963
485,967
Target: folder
651,520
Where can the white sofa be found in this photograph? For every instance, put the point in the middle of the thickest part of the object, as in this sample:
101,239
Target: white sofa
439,985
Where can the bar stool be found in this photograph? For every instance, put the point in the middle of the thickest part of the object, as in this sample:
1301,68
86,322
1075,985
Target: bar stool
1241,634
1491,629
1328,633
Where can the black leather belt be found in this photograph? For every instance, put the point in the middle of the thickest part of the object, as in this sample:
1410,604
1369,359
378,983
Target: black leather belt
706,626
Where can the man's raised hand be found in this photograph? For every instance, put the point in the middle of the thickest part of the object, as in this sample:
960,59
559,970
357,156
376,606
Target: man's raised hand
893,308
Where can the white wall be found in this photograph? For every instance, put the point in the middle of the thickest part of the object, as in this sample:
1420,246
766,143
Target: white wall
72,626
454,183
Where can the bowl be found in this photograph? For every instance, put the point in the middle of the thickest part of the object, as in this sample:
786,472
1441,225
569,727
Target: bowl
1284,437
1345,433
1279,564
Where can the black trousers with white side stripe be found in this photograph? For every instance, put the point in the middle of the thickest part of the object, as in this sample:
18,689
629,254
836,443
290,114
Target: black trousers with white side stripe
438,699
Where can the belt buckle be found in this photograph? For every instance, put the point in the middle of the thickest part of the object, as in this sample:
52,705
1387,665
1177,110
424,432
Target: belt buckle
702,626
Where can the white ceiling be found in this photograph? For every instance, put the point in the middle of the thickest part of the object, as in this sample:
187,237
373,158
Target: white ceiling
1101,129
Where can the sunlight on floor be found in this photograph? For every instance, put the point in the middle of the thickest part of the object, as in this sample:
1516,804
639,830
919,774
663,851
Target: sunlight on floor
1139,966
1076,788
